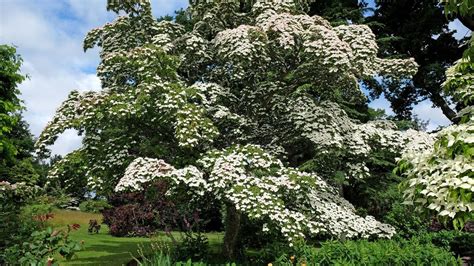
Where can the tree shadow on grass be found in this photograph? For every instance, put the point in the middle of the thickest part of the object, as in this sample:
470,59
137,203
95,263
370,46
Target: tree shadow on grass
108,252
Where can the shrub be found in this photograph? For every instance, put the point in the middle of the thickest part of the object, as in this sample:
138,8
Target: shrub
194,246
461,243
15,228
94,206
142,213
42,246
381,252
161,256
163,259
57,198
33,210
406,221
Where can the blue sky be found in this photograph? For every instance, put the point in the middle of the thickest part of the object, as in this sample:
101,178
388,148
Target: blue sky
49,35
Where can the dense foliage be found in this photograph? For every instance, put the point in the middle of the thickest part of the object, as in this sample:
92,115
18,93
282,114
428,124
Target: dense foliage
10,77
382,252
143,213
17,163
25,237
441,178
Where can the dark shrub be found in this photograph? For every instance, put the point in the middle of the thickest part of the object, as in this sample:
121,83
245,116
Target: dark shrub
461,243
142,213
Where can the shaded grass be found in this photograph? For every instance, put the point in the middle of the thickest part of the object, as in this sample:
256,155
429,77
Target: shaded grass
104,249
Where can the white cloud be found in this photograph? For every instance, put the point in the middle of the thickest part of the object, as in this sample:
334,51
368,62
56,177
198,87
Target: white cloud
49,35
436,118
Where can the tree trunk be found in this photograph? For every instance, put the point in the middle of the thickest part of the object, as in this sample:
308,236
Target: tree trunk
232,232
439,101
467,21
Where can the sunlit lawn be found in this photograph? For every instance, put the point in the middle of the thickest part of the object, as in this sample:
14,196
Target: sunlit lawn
104,249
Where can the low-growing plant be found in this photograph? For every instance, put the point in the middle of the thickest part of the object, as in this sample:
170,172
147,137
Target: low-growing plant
163,259
459,242
364,252
193,245
15,227
140,214
42,246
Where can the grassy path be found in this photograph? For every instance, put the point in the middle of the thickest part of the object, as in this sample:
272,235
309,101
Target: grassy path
99,249
104,249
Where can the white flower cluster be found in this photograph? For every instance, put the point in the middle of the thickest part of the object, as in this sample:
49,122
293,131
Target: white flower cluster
168,33
241,49
442,178
297,203
460,81
330,129
273,34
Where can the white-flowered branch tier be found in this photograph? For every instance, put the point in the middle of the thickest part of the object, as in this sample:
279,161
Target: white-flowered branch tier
261,187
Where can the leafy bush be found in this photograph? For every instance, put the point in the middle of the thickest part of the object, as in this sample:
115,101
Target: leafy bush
94,206
15,228
142,213
406,221
461,243
43,246
194,246
33,210
381,252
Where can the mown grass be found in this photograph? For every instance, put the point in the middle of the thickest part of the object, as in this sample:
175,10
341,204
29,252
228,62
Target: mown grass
104,249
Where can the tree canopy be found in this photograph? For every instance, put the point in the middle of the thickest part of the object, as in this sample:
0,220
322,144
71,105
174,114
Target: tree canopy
247,106
17,163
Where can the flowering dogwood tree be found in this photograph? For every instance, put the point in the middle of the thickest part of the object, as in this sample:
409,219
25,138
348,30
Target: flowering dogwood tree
232,108
441,178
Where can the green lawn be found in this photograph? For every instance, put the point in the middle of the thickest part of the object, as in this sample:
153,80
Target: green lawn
104,249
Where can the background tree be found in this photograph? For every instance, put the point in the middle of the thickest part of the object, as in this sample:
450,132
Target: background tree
17,163
9,101
339,11
441,179
417,29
